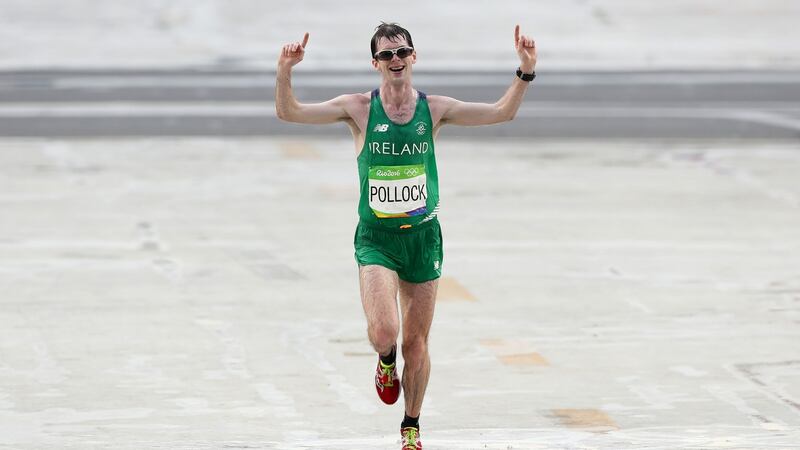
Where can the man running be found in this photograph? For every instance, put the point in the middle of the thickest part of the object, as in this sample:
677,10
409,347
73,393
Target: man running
398,241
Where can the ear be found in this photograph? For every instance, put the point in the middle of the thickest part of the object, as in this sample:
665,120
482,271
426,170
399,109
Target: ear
375,64
414,57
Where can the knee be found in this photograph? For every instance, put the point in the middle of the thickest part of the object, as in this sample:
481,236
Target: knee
415,350
383,336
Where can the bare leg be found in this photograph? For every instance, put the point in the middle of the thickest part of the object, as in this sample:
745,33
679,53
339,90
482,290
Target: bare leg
379,298
417,302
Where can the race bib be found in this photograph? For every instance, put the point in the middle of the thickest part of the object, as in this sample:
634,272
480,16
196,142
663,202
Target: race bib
398,191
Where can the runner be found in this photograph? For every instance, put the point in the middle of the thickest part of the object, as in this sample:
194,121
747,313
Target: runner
398,240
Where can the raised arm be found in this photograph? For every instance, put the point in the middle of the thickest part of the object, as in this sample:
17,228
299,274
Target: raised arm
286,105
467,113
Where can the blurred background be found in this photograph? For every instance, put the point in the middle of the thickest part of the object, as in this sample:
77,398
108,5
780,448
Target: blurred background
607,68
621,264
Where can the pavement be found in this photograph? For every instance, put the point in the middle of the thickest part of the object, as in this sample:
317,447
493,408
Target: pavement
631,287
202,293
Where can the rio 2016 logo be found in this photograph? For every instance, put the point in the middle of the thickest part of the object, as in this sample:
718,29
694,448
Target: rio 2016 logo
421,127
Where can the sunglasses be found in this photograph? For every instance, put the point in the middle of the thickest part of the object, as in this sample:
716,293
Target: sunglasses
387,55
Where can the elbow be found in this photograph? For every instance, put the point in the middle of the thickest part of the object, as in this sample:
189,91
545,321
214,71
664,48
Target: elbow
507,116
286,110
504,113
510,113
281,113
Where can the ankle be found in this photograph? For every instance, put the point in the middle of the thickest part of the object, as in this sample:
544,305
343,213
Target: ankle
409,421
391,357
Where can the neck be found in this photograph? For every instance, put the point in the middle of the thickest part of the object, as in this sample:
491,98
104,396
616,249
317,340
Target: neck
397,94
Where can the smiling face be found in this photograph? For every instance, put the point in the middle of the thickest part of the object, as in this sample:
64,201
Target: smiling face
396,70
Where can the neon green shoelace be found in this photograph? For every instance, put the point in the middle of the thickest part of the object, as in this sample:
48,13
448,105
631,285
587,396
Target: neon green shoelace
411,435
387,370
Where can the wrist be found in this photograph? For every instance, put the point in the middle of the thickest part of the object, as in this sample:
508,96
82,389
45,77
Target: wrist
525,76
525,68
284,68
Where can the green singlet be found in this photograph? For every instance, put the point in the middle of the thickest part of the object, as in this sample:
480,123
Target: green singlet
398,226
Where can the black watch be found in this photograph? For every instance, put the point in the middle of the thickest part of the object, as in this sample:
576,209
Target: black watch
526,76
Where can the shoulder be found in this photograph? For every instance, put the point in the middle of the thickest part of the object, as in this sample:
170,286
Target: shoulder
363,97
356,105
439,105
360,99
440,102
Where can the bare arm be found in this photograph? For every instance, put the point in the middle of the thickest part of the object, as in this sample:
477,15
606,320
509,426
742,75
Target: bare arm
467,113
286,105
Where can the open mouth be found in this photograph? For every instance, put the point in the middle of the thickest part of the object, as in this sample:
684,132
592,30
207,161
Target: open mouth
397,69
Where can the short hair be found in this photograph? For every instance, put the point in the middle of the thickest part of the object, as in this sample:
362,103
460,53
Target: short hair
390,31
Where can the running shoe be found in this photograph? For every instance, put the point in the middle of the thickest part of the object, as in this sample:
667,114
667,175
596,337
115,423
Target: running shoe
411,440
387,383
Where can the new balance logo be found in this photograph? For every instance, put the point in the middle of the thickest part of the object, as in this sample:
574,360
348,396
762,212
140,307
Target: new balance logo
381,128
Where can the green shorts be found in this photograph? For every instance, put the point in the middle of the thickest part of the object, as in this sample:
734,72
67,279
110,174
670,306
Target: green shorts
416,254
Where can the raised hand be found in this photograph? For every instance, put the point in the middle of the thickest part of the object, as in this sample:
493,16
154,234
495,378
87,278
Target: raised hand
293,53
526,50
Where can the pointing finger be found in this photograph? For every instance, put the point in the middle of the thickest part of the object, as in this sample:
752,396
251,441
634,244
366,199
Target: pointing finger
516,35
305,40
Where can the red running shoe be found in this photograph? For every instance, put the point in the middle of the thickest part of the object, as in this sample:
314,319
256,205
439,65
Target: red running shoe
387,383
411,439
